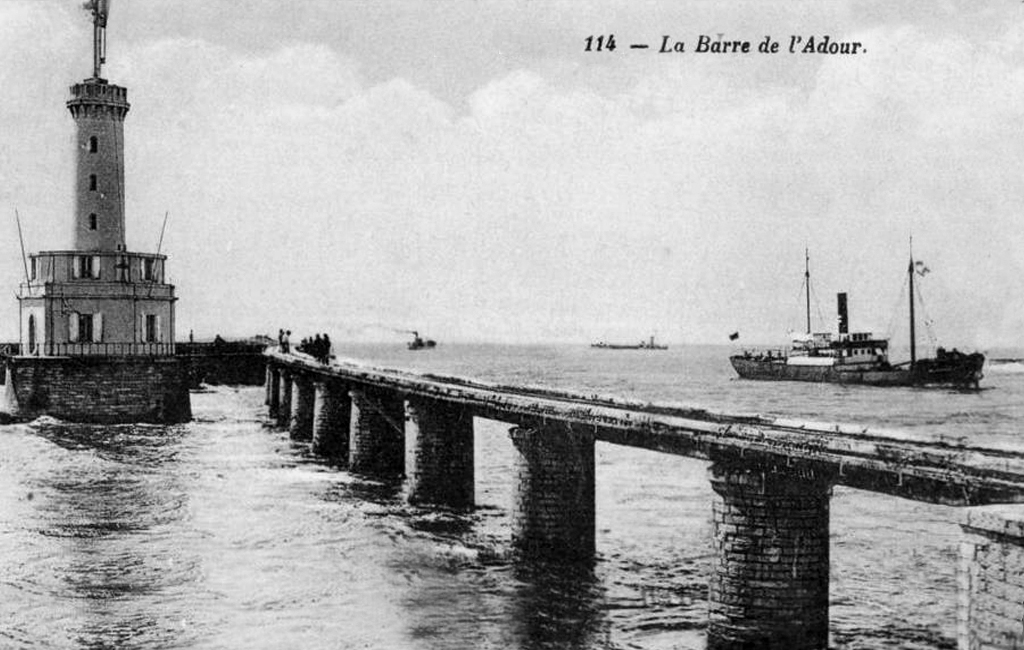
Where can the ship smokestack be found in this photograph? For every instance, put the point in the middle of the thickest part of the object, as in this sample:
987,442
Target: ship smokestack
844,321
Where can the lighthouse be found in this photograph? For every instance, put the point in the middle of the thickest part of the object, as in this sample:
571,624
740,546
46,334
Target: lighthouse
99,298
98,320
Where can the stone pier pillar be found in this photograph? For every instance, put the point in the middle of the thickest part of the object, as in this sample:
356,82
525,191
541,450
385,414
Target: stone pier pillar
273,390
553,510
769,588
990,579
331,415
377,433
284,407
442,459
300,425
268,384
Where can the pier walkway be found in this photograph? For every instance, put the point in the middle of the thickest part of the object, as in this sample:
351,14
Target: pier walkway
772,481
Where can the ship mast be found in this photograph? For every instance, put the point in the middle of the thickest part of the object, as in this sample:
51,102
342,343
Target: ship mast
913,340
807,286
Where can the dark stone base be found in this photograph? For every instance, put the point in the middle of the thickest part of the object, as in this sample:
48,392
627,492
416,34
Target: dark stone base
235,369
103,390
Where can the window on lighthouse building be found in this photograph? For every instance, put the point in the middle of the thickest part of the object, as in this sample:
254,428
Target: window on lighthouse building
94,144
92,182
152,328
92,221
85,327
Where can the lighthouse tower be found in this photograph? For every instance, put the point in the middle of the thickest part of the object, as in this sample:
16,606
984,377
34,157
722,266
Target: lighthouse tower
98,299
97,321
99,109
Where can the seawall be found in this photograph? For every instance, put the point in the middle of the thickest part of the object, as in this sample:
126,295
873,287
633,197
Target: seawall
104,390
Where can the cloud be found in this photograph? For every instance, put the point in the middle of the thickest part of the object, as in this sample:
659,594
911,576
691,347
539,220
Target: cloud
302,189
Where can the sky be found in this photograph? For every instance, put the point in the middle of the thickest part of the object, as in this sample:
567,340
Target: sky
468,170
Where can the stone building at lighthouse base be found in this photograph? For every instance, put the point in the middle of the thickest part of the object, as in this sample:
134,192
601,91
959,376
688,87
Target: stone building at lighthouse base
96,389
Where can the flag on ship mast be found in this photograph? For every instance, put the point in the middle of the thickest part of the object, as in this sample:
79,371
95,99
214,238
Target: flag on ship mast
100,10
921,268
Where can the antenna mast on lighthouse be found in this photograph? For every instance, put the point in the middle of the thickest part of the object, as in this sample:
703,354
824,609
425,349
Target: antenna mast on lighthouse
100,10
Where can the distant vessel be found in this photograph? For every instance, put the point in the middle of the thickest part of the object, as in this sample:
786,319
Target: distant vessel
642,345
858,357
418,343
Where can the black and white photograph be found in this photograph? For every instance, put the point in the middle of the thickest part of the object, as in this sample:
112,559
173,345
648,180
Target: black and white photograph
526,324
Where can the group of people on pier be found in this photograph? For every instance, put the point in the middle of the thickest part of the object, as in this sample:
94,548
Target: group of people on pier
282,340
318,347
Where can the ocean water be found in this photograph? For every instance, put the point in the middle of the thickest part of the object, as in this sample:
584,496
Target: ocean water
223,533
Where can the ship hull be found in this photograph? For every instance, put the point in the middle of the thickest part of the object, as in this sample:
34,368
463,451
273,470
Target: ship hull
778,370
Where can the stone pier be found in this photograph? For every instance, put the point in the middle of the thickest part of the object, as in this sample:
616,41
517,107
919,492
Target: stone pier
273,390
442,459
990,577
284,406
377,433
772,482
769,586
331,418
300,425
553,511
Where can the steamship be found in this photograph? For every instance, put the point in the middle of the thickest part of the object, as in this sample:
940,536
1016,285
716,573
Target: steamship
858,357
642,345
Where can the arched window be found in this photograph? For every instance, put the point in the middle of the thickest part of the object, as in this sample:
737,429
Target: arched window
92,182
31,333
93,221
94,144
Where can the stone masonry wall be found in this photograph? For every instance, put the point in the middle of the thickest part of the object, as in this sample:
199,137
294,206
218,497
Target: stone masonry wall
246,369
990,607
769,588
101,389
376,433
442,467
553,508
300,425
332,412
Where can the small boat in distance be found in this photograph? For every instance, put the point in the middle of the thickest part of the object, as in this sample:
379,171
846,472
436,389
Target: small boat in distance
418,343
642,345
858,357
